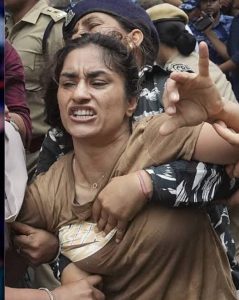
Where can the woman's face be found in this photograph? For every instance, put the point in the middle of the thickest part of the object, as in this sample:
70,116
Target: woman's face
97,22
92,98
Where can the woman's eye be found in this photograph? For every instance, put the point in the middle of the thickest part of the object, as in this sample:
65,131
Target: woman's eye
68,84
99,83
93,26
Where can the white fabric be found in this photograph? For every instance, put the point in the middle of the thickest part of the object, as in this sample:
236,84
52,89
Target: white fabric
81,240
15,172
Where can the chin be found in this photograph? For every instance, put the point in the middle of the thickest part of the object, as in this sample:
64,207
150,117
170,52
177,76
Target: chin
83,135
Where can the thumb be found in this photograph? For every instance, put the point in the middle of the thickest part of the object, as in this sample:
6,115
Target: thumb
21,228
228,134
94,279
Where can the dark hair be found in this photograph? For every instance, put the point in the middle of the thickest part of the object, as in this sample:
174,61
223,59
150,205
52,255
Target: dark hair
174,34
115,56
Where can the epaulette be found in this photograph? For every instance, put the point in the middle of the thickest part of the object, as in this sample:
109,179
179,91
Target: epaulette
54,13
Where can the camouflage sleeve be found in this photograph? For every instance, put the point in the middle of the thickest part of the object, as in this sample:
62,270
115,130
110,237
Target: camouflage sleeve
190,183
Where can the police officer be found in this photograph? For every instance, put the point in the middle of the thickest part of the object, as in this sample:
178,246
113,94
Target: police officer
35,30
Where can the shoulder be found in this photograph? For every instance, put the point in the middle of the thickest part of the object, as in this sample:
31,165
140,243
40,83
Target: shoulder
55,14
58,172
61,163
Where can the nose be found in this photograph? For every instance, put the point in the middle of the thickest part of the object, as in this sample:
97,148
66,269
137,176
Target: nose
81,93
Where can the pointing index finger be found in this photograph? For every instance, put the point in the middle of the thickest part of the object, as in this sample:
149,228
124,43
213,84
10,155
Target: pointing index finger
203,62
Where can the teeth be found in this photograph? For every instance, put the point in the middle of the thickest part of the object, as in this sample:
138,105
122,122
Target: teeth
83,112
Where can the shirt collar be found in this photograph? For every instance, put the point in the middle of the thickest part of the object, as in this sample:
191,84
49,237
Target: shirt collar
33,14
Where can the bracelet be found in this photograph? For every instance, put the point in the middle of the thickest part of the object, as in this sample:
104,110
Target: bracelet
142,184
49,293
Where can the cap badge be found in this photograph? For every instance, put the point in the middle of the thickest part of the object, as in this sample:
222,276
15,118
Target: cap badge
70,15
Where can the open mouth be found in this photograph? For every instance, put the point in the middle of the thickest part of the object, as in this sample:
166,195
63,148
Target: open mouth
82,114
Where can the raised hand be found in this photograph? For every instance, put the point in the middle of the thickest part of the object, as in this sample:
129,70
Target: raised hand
197,99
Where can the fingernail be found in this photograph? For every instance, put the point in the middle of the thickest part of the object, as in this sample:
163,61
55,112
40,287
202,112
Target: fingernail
174,96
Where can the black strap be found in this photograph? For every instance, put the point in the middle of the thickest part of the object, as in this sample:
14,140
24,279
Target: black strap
46,35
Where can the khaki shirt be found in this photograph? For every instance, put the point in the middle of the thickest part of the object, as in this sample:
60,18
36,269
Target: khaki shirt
26,36
50,200
163,250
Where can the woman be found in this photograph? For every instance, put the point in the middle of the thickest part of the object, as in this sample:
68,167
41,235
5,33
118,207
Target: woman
96,99
128,21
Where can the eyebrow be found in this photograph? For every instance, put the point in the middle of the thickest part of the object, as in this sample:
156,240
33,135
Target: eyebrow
90,19
90,74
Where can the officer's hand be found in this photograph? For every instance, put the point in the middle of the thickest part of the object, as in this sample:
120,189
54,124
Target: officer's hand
37,246
83,289
119,202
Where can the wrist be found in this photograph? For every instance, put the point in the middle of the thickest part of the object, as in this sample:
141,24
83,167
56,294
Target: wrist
228,114
57,254
218,112
146,184
50,294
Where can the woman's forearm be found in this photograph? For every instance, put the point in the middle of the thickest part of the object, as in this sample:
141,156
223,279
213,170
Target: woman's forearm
25,294
72,273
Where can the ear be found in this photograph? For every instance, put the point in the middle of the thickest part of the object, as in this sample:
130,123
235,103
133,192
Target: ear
136,37
132,104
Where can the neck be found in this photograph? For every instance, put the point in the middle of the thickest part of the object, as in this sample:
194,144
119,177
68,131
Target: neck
95,161
22,10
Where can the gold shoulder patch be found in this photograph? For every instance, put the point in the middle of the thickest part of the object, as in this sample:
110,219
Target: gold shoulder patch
54,13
